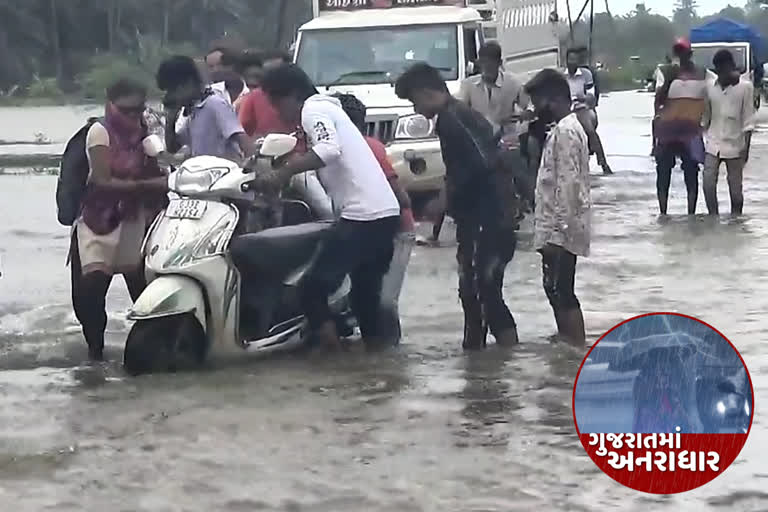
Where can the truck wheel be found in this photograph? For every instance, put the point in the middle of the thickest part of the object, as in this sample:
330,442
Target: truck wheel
162,345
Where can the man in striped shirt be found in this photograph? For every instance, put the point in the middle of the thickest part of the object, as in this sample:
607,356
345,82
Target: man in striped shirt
679,107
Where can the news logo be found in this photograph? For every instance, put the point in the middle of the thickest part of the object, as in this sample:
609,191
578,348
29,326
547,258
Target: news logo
663,403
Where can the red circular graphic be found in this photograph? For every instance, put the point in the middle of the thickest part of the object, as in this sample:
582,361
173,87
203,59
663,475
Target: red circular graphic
628,431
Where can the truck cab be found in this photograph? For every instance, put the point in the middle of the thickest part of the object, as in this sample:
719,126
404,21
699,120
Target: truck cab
361,47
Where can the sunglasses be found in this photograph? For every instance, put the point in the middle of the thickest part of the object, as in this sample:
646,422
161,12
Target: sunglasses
132,110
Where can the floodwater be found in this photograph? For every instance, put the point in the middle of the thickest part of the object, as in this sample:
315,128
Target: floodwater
425,429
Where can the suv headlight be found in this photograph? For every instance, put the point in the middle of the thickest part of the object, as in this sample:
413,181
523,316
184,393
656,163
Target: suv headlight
414,126
189,182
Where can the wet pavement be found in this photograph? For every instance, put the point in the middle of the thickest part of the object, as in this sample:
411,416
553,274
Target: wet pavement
426,428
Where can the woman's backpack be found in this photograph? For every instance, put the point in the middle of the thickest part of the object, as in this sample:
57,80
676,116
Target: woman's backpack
73,176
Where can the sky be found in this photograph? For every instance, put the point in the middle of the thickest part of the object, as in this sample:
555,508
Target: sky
664,7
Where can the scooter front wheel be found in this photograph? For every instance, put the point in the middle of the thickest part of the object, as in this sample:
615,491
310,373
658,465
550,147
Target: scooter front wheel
163,345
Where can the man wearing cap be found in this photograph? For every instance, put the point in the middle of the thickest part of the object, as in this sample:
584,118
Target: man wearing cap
679,107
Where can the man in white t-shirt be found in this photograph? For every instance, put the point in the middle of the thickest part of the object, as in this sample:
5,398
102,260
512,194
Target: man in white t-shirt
362,240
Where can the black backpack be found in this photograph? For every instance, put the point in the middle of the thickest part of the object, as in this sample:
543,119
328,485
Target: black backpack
73,175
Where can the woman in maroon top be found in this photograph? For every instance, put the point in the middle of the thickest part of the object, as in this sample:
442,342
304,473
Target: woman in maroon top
125,190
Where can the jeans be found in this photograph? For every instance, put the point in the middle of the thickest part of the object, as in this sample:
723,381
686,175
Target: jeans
666,155
363,250
559,277
483,252
392,283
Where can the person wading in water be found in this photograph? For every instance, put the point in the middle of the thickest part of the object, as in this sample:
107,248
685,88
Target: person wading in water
361,242
679,107
729,122
582,85
563,204
487,218
125,190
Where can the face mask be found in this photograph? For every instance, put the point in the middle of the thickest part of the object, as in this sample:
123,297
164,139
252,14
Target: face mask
676,61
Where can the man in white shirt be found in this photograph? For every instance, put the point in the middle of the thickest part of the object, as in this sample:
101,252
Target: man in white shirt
361,242
729,120
582,85
228,62
499,96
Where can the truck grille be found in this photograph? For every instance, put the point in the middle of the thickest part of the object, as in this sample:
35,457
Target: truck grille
382,129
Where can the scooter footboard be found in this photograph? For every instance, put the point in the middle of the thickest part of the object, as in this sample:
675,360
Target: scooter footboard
170,295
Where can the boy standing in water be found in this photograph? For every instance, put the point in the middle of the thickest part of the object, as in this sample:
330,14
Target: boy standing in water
563,202
486,219
729,121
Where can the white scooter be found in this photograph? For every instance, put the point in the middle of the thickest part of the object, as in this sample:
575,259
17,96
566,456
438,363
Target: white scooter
217,289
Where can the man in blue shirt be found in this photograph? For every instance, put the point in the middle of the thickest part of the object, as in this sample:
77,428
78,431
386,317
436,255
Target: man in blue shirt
212,127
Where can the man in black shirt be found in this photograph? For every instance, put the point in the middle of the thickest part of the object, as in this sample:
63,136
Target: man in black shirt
482,199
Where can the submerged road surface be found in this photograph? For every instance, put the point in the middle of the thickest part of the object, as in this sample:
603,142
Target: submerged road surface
427,428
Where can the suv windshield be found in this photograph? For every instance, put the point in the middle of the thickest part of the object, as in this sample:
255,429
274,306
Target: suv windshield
703,56
367,56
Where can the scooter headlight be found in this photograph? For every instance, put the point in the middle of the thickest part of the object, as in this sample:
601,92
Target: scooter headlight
215,241
190,182
414,126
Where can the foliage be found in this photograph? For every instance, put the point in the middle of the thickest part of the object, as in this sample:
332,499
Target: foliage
619,79
67,39
77,47
44,88
648,36
106,68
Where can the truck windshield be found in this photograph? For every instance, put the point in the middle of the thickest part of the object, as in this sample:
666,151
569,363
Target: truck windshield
368,56
703,56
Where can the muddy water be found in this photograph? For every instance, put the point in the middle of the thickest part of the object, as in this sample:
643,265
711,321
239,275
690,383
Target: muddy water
424,429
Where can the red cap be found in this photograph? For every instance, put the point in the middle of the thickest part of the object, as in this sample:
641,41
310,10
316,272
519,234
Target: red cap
682,43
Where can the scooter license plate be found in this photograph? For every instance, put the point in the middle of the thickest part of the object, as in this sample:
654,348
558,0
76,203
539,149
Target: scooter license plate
186,209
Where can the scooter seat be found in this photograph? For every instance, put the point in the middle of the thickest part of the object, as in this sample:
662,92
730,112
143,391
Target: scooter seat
277,252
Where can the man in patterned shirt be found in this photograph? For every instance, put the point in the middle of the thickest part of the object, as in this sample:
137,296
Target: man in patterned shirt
563,203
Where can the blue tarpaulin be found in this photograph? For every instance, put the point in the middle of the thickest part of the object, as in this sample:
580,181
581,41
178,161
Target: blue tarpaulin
723,30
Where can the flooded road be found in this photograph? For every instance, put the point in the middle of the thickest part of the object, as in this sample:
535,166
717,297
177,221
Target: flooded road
425,429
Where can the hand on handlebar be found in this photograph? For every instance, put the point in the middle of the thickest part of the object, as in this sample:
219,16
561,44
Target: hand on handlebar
268,182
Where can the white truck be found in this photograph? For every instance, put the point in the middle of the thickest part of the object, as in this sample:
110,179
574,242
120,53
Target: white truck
360,47
744,42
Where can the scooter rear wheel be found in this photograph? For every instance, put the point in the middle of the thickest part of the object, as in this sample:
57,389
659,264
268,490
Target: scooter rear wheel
165,345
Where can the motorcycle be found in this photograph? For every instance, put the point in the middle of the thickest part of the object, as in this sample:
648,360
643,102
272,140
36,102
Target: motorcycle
222,279
722,407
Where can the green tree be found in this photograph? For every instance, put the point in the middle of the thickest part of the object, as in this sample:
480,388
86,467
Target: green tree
685,15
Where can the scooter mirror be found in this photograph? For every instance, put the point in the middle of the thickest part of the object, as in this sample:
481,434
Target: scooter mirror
277,144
